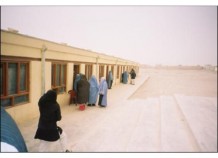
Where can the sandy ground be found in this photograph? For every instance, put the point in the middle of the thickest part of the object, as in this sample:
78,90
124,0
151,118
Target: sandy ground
166,111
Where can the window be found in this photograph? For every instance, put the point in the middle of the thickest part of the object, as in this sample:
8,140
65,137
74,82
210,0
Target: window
58,77
14,83
88,71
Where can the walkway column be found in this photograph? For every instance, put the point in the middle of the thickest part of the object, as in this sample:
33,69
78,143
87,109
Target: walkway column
43,50
97,67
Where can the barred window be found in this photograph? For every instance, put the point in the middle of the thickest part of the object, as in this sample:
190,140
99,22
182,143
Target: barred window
14,83
58,77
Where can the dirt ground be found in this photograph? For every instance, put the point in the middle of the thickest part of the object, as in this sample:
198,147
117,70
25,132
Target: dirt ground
169,82
166,111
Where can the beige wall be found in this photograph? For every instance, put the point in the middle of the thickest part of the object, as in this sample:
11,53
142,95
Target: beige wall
82,68
29,110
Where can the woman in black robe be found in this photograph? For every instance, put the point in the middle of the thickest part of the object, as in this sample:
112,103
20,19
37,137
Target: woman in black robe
83,90
50,113
133,75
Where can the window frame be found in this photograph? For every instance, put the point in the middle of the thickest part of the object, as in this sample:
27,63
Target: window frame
5,94
62,82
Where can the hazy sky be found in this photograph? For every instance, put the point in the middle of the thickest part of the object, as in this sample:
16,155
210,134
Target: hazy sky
172,35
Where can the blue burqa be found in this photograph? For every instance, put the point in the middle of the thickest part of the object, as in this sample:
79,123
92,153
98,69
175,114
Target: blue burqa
10,133
93,91
103,90
78,77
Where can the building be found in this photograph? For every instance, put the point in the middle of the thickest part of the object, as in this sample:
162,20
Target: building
210,68
30,66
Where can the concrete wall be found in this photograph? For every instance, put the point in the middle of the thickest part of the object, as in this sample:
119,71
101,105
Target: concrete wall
22,47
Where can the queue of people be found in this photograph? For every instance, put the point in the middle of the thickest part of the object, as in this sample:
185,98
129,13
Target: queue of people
88,92
52,137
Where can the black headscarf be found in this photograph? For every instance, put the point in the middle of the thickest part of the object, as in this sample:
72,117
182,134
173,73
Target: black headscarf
48,98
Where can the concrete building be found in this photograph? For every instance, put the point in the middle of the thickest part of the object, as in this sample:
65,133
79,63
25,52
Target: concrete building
30,66
210,68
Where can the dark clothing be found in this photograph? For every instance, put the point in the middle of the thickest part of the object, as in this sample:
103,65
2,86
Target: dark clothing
110,83
132,74
125,76
50,113
83,87
110,79
100,100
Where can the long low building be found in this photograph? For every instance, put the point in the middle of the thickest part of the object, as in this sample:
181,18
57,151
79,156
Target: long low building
30,66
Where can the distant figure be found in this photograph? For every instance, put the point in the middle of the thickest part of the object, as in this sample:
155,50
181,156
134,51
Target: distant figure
93,91
133,75
125,76
83,90
11,137
110,79
103,93
48,132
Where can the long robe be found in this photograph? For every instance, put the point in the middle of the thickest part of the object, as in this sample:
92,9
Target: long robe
93,91
110,80
125,77
103,91
78,77
50,113
132,74
83,90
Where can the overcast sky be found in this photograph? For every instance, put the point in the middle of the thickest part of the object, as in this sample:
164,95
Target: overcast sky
168,35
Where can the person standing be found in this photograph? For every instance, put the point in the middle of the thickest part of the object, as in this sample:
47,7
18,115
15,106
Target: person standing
125,77
103,92
110,79
133,75
48,132
93,91
83,87
78,77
